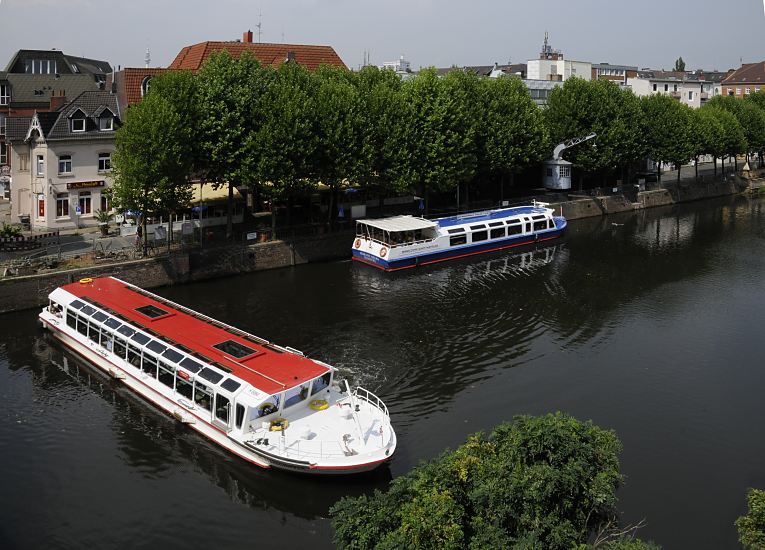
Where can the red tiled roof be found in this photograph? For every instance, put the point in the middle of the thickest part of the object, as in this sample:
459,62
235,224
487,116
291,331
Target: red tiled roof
273,55
747,74
132,79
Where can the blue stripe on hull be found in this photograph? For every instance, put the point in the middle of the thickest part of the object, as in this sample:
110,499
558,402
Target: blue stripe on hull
454,253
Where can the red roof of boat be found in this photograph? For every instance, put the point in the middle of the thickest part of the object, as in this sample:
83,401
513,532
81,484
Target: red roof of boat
273,368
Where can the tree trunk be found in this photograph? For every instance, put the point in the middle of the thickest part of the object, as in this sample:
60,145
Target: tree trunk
696,165
169,230
714,162
735,163
144,234
230,212
678,165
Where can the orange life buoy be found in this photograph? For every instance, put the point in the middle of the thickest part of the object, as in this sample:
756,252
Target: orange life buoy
357,243
383,252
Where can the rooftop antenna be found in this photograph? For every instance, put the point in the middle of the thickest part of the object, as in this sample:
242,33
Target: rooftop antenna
147,58
259,25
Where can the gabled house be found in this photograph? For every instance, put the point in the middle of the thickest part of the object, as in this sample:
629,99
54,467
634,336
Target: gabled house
750,78
62,162
694,88
41,80
272,55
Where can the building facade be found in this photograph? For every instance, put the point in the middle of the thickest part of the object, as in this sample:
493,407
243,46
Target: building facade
551,65
748,79
615,73
62,162
692,88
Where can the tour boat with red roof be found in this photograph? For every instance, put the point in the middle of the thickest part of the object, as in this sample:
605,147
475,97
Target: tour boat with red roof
268,404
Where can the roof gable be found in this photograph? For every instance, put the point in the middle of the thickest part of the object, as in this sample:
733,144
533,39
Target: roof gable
748,73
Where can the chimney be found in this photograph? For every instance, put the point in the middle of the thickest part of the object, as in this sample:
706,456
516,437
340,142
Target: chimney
247,37
57,101
290,57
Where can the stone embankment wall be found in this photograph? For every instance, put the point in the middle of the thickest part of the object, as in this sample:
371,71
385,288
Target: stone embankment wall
32,291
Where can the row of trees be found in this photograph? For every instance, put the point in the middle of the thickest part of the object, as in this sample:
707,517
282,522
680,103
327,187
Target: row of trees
283,132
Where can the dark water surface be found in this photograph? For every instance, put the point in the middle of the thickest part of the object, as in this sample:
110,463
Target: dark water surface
650,324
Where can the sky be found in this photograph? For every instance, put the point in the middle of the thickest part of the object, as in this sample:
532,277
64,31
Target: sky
645,33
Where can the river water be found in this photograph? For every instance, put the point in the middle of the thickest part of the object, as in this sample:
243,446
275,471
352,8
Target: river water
650,324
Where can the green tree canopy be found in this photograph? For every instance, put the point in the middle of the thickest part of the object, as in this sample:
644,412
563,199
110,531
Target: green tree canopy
229,92
680,65
751,526
581,107
437,150
152,160
669,130
513,129
538,482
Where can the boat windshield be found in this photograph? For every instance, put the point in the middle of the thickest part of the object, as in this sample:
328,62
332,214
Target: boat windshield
394,238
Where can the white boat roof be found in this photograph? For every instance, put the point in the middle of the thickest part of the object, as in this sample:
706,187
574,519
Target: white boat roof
400,223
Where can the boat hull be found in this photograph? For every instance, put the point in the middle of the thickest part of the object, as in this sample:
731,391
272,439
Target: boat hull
189,417
455,253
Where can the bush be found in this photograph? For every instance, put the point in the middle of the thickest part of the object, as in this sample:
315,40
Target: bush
537,482
751,527
10,230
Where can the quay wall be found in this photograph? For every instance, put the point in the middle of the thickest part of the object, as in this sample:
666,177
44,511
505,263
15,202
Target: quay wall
30,291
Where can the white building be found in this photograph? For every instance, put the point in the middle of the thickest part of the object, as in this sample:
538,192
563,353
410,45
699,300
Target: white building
400,66
62,162
552,66
692,88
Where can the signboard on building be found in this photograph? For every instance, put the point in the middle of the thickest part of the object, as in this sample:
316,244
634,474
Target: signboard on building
85,184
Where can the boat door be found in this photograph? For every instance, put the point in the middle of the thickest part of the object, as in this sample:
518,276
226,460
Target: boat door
222,411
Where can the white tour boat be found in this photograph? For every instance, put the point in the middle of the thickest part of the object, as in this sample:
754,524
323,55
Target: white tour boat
403,242
266,403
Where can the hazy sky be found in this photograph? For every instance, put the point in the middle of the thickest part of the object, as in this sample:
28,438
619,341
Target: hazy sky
647,33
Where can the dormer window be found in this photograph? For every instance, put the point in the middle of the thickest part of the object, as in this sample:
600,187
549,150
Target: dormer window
145,83
106,122
77,121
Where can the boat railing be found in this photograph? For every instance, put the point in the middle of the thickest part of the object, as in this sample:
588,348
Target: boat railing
394,245
306,449
366,395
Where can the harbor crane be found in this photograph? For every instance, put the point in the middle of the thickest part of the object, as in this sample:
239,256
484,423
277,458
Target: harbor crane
568,144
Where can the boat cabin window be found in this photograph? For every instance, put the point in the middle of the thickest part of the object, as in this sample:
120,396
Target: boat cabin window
149,365
222,406
166,374
87,310
295,395
107,339
140,338
112,323
515,229
191,365
99,316
77,304
269,406
229,384
95,334
126,331
156,347
134,356
234,349
239,415
184,387
71,319
119,347
321,383
540,225
172,355
479,236
456,240
497,233
82,326
210,375
203,396
477,227
550,224
152,311
455,231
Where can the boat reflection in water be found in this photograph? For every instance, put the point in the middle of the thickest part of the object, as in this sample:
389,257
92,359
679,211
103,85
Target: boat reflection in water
154,446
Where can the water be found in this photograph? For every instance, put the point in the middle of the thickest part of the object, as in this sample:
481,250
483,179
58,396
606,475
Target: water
649,324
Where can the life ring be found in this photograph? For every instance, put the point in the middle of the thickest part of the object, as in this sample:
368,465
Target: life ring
319,404
357,243
86,281
279,424
383,252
